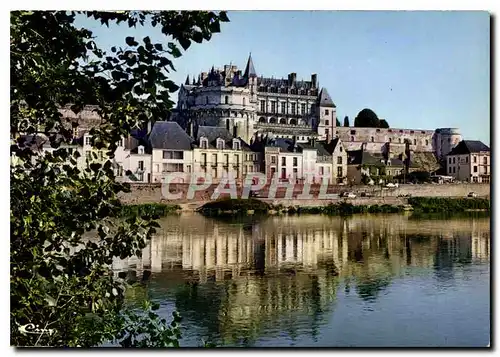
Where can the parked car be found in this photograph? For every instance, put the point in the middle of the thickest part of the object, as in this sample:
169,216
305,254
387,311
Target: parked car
349,195
366,194
472,194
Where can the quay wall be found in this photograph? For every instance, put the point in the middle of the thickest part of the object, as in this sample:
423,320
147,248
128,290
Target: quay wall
152,193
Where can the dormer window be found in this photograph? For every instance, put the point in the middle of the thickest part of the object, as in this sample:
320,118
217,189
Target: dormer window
140,150
236,144
220,144
204,143
87,140
120,142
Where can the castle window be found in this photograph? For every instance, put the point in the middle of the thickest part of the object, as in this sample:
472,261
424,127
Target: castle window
340,149
293,108
244,101
272,120
401,131
236,144
204,143
283,107
220,144
283,121
390,140
411,131
263,106
87,140
273,107
390,130
293,121
262,120
378,130
327,112
352,138
327,122
226,100
399,140
414,141
353,132
303,109
327,132
426,142
293,91
141,150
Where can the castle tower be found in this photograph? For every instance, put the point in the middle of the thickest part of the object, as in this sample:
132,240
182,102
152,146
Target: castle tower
251,77
327,116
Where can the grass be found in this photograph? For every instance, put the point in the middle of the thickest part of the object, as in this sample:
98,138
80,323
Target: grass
343,208
448,205
154,209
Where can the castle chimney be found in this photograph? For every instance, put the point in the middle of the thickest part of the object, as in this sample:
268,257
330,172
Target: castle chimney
235,131
227,125
190,131
294,141
291,78
314,79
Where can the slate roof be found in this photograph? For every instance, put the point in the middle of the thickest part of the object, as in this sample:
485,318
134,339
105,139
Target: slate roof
285,144
468,147
277,82
169,135
250,69
321,147
212,133
325,100
360,157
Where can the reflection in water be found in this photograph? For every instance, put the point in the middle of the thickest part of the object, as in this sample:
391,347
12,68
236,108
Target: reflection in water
279,278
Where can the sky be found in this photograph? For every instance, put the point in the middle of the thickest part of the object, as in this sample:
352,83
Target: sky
417,70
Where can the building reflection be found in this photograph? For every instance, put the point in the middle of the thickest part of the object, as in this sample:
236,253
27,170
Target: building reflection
235,278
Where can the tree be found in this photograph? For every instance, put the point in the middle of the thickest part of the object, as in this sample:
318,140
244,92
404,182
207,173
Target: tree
337,122
383,124
346,121
367,119
62,290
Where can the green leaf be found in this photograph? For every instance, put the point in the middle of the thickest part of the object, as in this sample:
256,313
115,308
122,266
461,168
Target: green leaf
130,41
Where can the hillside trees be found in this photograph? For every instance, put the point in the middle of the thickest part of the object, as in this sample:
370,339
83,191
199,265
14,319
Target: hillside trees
62,291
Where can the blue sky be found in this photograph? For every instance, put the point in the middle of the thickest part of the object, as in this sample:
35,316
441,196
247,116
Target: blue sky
419,70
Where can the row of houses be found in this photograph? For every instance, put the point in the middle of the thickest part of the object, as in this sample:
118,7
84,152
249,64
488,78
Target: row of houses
216,152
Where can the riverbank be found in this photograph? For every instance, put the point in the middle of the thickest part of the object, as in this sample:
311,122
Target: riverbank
239,207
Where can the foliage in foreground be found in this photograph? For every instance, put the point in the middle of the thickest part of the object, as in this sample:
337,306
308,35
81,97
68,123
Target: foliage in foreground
62,290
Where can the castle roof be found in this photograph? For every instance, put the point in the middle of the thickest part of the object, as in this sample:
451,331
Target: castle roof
250,69
469,147
325,100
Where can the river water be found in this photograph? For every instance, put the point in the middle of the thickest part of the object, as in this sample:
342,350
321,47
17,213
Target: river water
316,281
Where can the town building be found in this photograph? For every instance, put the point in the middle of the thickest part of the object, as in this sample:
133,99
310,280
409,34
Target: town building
469,161
305,162
171,152
363,167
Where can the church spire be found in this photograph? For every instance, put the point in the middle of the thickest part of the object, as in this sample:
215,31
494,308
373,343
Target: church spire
250,69
187,80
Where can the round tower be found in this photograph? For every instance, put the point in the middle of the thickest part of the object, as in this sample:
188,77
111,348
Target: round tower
445,140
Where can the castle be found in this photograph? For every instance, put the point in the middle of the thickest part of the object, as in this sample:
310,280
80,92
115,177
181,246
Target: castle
249,106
